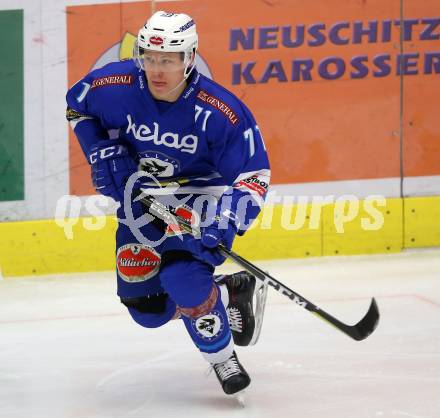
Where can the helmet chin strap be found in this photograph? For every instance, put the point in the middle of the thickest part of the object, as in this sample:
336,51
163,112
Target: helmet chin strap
175,88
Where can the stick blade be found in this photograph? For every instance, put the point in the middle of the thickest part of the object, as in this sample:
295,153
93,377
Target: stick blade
367,324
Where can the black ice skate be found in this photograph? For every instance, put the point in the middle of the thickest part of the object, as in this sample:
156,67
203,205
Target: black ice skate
245,321
232,375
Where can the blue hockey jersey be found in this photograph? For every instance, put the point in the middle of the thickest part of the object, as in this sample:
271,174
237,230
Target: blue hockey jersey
207,141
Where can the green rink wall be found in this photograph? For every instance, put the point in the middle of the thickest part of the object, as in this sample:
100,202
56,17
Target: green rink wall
11,106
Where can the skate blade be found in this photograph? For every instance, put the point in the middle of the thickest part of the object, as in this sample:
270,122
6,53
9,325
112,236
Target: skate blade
241,398
260,295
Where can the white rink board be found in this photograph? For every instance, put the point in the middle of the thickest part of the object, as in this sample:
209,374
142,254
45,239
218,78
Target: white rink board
69,349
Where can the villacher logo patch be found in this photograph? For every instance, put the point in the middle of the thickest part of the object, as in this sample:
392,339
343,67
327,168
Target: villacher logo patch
137,262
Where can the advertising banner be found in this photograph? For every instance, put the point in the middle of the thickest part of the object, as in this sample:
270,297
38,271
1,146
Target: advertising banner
340,93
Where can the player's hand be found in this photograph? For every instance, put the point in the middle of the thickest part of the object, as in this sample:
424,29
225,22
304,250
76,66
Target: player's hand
220,230
111,166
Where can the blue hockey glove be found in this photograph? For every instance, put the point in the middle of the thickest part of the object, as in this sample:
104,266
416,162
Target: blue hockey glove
111,166
222,230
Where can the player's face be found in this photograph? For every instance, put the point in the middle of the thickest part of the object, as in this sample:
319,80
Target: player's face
164,71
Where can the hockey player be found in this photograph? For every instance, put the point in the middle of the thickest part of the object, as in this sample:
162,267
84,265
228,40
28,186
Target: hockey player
158,115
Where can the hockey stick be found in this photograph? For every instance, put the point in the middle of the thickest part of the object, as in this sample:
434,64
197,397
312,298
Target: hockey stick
359,331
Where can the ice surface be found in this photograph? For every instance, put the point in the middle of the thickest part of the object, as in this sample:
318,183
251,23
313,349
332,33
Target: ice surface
68,348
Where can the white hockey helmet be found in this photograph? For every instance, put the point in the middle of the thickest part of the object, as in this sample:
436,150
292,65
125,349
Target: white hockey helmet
168,32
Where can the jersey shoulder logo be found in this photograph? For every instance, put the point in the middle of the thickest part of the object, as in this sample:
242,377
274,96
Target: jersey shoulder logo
72,115
218,104
111,80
